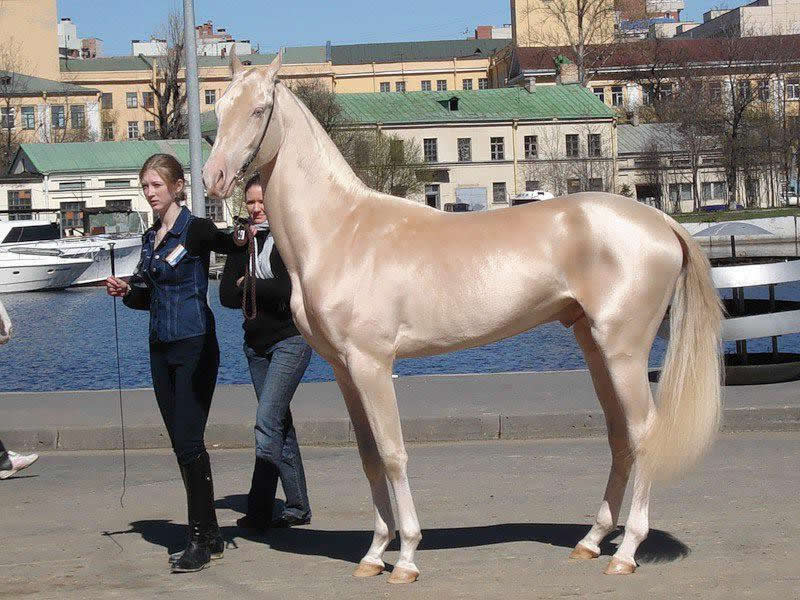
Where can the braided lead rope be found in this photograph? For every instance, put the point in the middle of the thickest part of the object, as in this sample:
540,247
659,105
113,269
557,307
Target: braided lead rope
249,292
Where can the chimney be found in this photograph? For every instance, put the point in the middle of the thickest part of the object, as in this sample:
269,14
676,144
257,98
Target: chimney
530,84
568,73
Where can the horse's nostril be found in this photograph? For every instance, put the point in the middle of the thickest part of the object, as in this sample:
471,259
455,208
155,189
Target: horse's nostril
220,177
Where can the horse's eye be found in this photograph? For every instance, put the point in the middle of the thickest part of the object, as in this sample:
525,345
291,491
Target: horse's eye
259,112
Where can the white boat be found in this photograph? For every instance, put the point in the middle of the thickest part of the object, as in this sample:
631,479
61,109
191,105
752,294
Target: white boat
46,235
28,269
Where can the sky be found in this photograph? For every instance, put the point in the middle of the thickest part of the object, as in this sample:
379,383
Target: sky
271,24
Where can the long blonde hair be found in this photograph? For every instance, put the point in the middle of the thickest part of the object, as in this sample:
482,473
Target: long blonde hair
170,170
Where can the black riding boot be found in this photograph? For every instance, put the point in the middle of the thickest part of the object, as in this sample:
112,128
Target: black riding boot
261,497
200,501
216,543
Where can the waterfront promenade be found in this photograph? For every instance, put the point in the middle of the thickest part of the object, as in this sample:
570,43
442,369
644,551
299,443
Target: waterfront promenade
498,520
531,405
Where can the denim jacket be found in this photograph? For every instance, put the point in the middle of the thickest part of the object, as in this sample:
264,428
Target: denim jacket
175,283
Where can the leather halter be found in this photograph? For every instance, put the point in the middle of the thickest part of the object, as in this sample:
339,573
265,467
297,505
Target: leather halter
240,175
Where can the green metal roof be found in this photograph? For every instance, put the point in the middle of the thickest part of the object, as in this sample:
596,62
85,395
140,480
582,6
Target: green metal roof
26,85
101,156
358,54
504,104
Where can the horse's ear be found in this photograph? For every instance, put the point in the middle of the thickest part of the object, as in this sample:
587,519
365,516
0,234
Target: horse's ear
275,65
236,64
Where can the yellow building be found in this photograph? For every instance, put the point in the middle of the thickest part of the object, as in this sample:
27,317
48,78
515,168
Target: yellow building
30,29
555,22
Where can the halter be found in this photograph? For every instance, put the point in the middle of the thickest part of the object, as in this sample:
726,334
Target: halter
241,173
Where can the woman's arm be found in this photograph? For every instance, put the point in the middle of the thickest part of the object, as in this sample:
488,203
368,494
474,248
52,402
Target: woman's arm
138,297
230,294
204,236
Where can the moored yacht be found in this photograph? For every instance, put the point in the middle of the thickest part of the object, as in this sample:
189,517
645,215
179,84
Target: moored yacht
28,269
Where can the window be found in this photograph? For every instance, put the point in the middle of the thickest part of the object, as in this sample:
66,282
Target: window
106,101
7,117
595,146
118,204
108,131
19,205
29,117
441,85
763,91
77,116
600,93
744,89
211,96
680,191
133,130
714,190
386,86
117,183
498,150
573,186
58,117
499,192
532,185
715,90
572,145
149,127
72,214
793,89
425,86
430,150
71,186
466,84
464,149
214,210
432,196
130,100
616,95
596,184
531,146
148,100
483,83
399,86
397,153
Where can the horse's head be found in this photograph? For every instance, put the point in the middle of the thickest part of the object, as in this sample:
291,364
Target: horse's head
244,113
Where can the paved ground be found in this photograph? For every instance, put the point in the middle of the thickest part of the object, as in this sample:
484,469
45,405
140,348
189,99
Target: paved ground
499,518
433,408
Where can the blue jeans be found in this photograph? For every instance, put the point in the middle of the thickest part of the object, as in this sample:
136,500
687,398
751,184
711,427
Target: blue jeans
276,373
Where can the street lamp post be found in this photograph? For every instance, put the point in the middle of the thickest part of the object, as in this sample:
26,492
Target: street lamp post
193,102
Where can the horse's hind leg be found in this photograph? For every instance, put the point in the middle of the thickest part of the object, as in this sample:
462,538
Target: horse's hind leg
372,563
624,350
372,377
606,520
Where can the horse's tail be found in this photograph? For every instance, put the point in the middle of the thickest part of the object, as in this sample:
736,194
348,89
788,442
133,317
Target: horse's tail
689,392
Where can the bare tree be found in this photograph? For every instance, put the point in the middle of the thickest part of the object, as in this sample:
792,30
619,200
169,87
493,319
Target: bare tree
12,86
386,163
169,94
585,27
320,100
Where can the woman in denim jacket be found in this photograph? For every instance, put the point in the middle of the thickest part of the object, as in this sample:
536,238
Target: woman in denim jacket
278,356
171,281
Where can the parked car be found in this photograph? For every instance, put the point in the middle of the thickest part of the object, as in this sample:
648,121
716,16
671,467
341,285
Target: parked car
530,196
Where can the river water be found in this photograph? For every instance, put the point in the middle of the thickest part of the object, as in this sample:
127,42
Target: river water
65,341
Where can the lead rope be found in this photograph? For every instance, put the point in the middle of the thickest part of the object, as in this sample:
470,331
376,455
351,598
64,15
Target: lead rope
249,286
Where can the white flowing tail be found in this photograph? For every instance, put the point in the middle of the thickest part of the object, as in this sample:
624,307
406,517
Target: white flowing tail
688,400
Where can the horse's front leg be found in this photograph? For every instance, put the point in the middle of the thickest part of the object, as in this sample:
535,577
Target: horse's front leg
372,563
372,378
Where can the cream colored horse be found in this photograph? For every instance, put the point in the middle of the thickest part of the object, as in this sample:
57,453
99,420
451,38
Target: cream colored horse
375,277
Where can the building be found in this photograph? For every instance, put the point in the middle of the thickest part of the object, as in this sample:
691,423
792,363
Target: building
30,30
91,48
540,22
490,32
209,43
61,180
69,44
482,147
759,18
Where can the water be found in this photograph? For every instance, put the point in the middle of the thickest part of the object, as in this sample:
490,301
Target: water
65,341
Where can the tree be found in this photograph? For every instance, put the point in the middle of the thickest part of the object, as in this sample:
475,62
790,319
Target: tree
12,85
586,27
169,96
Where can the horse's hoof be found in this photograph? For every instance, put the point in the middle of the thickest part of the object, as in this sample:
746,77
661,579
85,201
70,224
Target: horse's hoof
618,567
365,569
581,552
401,575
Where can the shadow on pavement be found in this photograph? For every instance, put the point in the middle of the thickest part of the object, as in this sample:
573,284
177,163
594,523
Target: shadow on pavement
350,545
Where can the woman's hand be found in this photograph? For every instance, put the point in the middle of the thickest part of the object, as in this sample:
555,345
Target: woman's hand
240,281
117,287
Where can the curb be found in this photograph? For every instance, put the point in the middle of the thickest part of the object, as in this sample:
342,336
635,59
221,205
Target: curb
339,432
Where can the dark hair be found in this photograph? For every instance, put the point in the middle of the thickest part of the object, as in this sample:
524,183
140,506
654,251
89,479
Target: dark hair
168,167
254,180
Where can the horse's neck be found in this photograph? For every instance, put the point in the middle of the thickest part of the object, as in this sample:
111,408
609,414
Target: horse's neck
311,189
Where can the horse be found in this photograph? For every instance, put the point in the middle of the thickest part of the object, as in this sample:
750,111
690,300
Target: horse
6,330
375,277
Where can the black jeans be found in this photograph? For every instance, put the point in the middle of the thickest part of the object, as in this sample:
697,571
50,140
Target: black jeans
184,376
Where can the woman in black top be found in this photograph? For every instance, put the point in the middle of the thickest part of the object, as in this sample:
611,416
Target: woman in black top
171,281
277,356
